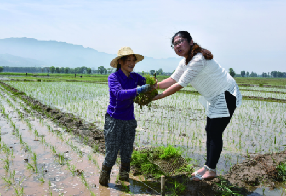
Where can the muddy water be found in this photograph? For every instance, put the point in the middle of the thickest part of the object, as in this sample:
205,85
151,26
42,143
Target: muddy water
53,177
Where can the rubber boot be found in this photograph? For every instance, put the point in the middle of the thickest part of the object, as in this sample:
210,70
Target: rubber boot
104,175
124,172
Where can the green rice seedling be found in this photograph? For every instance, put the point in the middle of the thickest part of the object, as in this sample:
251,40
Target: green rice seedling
140,161
125,187
20,138
177,188
281,168
225,188
36,133
12,175
85,141
6,164
7,180
80,153
5,149
170,152
89,157
19,191
50,191
53,149
34,159
84,180
42,140
41,179
95,148
30,167
61,158
73,169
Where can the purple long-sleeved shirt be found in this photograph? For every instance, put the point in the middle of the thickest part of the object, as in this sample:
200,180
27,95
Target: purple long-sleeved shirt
122,90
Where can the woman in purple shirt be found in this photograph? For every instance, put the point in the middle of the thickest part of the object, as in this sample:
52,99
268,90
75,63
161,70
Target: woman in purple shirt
120,123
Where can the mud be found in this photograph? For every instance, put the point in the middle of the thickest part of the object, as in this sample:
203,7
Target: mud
261,169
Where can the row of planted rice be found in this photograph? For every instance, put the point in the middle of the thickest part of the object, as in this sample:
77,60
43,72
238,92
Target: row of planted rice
257,126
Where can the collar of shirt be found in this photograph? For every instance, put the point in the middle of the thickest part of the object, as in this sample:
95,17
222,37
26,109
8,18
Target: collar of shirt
123,76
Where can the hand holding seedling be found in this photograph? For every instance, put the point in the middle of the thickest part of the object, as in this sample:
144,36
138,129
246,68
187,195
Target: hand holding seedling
144,98
154,86
169,91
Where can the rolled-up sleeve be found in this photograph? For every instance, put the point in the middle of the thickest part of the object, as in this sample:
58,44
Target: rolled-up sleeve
117,90
178,72
194,67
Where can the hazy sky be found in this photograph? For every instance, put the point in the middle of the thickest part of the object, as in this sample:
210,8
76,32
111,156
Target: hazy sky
245,35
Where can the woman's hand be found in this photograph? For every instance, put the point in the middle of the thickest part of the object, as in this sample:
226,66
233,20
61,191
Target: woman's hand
154,86
171,90
144,88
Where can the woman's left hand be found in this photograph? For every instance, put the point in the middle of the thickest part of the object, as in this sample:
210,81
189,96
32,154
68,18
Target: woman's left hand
154,86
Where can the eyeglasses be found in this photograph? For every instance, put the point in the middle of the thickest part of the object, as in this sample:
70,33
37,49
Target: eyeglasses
177,43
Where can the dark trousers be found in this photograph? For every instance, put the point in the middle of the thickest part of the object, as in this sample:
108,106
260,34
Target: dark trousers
214,129
119,135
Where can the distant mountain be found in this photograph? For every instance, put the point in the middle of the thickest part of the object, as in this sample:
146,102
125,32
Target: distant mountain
16,61
30,52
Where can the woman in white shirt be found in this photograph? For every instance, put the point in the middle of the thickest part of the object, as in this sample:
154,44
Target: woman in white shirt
220,94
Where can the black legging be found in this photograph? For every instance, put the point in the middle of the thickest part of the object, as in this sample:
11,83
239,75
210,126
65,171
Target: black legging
214,129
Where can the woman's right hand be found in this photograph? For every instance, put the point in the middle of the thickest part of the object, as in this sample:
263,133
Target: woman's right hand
144,88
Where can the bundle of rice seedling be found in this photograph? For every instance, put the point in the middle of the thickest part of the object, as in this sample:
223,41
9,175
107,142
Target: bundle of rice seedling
145,98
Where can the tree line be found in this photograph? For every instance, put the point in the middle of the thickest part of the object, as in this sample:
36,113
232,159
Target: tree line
103,70
78,70
272,74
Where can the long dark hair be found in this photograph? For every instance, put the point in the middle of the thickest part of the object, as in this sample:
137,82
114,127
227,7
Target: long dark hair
123,59
195,48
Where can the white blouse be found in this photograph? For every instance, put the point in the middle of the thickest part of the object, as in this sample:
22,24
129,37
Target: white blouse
211,81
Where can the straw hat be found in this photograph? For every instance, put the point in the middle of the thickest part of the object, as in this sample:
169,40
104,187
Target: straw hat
125,51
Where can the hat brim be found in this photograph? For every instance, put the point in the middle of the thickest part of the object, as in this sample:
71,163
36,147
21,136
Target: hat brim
114,62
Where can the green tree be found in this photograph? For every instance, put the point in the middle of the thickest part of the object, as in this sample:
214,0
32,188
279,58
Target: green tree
57,70
253,74
160,71
152,72
109,70
102,70
52,69
274,74
67,70
1,69
242,73
88,70
231,72
62,70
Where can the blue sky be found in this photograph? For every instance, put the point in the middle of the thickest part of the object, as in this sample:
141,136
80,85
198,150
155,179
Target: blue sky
245,35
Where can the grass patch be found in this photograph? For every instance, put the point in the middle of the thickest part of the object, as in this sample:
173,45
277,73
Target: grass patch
281,168
144,161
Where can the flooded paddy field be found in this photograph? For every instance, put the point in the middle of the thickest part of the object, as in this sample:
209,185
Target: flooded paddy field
38,157
257,128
